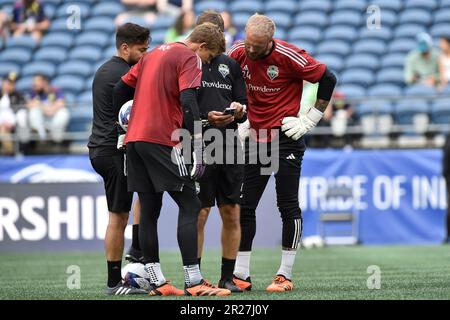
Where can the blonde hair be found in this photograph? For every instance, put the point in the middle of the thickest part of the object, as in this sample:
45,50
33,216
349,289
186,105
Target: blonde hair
260,25
211,35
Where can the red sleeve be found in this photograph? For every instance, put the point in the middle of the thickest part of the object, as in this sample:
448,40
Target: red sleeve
130,78
303,66
190,75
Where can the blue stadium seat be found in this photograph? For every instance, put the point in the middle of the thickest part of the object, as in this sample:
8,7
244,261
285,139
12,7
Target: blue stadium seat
85,97
394,5
111,9
50,10
420,90
409,30
159,36
334,47
372,46
351,18
59,25
388,18
66,9
249,6
444,4
362,60
136,20
442,16
334,62
87,53
446,90
385,90
421,4
393,60
384,34
74,67
281,19
305,45
403,45
288,6
305,33
357,5
88,83
109,52
419,16
61,39
317,5
391,76
313,18
24,84
440,30
69,84
80,118
352,90
358,76
53,54
7,67
216,5
345,33
25,41
17,55
407,109
95,38
7,2
280,33
378,106
39,67
240,19
100,24
162,22
440,111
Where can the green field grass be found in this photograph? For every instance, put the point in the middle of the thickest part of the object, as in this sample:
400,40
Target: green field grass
328,273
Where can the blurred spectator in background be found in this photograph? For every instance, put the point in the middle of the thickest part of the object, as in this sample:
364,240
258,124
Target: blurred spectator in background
444,61
29,17
143,9
231,33
446,174
422,63
182,27
11,101
175,7
4,28
46,111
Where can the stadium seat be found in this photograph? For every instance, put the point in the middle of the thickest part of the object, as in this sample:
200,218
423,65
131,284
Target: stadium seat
95,38
88,53
352,90
39,67
384,34
334,62
281,19
420,90
59,25
74,67
345,33
403,45
50,10
159,36
385,90
51,53
347,5
393,60
80,119
440,30
280,33
440,111
407,109
249,6
69,84
391,75
317,5
409,30
100,24
357,76
109,52
334,47
394,5
24,41
240,19
7,67
388,18
216,5
305,45
60,39
85,98
162,22
313,18
371,46
421,4
111,9
446,90
419,16
16,55
442,16
24,84
444,4
363,60
351,18
307,33
378,106
66,9
287,6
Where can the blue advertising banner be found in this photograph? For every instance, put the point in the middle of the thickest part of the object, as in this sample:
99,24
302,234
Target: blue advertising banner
57,202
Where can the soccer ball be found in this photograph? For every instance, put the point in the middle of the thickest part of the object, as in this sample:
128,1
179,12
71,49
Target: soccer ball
134,274
313,242
124,114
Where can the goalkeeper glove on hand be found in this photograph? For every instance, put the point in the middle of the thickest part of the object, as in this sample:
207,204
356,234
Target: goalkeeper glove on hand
120,137
244,130
296,127
198,165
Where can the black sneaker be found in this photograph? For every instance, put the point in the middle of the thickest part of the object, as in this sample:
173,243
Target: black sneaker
134,255
123,289
230,285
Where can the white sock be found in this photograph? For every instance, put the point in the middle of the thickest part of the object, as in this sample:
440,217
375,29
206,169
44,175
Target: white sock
192,275
287,262
242,266
155,274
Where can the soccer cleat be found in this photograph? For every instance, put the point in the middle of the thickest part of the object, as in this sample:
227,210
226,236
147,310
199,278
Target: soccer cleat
244,285
205,288
230,285
123,289
166,290
134,255
280,284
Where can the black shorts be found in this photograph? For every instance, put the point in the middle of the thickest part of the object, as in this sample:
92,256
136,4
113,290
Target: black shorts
154,167
111,168
221,182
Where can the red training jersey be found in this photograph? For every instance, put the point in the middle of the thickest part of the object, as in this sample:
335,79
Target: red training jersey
275,83
158,78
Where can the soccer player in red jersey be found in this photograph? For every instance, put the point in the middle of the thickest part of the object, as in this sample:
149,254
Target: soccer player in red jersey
274,71
164,84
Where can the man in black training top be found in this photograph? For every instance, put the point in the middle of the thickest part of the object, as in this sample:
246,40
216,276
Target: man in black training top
132,42
222,85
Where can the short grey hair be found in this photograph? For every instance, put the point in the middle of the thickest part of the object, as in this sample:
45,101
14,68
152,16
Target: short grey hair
260,25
